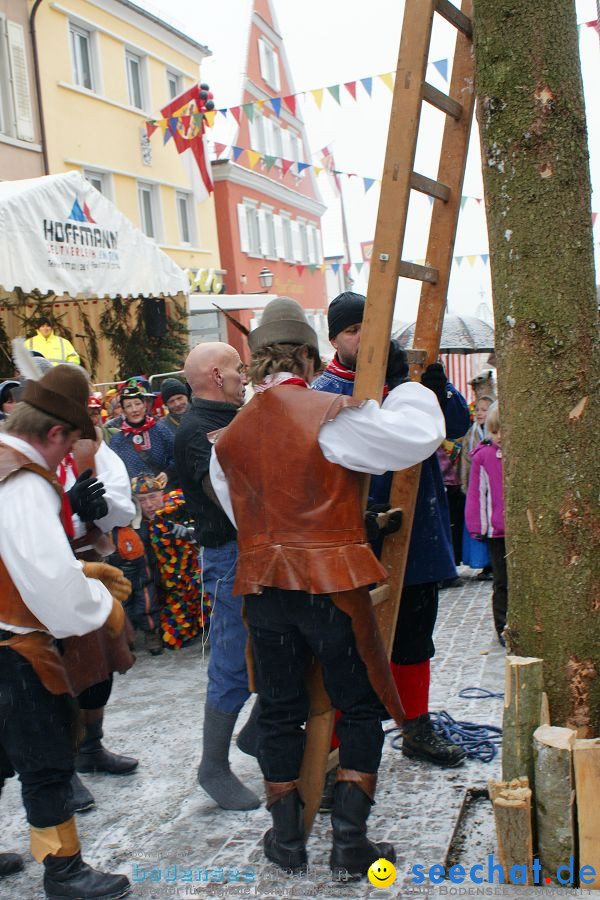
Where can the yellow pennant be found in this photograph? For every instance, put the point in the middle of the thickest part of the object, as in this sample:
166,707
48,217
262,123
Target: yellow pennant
163,124
209,115
318,96
471,260
317,169
253,157
260,103
388,80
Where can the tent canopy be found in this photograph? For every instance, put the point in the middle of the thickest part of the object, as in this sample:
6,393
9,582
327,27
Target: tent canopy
60,234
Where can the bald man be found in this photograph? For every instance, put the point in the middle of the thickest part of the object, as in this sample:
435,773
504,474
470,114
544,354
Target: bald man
217,378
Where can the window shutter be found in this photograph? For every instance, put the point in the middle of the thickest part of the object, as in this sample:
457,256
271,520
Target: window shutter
263,232
279,242
318,246
20,82
276,81
264,62
296,241
243,225
312,255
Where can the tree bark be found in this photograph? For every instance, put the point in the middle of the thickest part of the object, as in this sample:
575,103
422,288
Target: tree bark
537,186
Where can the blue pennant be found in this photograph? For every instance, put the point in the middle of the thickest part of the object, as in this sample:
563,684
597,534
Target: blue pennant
442,66
237,151
276,104
367,83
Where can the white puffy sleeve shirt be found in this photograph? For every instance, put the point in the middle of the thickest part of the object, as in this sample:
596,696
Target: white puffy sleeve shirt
35,550
407,428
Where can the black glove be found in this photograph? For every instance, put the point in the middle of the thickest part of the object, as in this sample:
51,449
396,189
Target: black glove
86,497
435,379
397,365
376,527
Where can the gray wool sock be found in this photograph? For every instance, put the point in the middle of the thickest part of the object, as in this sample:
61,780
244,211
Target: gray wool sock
214,774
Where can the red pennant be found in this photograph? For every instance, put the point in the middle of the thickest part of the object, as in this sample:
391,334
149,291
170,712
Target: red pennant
150,129
219,148
185,121
236,113
351,88
290,102
594,217
286,165
346,267
300,269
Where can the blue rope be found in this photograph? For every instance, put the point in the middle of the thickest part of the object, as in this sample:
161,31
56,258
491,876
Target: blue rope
479,693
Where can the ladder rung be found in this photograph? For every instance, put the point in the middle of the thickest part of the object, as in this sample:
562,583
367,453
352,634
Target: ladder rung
417,272
380,594
455,17
429,186
442,101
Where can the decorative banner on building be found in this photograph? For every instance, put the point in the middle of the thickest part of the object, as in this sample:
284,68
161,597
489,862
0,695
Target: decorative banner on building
187,117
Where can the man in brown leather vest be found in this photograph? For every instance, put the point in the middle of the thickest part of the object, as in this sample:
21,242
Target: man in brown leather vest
45,593
286,472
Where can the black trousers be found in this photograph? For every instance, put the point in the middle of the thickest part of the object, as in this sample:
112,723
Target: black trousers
456,508
287,629
413,640
497,548
36,740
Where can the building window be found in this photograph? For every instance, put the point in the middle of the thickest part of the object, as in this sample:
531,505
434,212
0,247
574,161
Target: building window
135,80
249,228
269,64
288,247
81,50
16,116
185,213
148,209
98,180
266,226
173,84
305,254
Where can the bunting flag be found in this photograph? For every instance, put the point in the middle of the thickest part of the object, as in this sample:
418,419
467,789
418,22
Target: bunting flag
318,97
276,104
463,201
237,152
286,165
335,268
151,127
249,110
351,88
300,268
368,183
367,83
173,121
388,80
346,267
334,90
253,158
302,166
190,142
236,113
442,67
269,162
219,148
290,102
594,216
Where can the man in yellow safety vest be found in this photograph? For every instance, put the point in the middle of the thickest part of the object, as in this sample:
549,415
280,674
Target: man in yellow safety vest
55,348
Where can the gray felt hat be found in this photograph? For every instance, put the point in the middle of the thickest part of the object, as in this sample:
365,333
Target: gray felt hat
283,322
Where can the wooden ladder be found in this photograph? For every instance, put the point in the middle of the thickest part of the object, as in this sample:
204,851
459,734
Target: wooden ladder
399,178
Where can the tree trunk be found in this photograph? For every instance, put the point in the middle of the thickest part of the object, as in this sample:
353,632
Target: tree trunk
537,185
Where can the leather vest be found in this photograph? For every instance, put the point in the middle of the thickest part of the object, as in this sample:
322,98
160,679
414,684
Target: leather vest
37,647
299,517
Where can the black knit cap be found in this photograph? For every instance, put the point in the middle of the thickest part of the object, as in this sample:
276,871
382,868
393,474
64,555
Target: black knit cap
345,310
171,387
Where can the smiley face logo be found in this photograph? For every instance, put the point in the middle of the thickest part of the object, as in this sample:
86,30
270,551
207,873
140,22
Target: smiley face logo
382,873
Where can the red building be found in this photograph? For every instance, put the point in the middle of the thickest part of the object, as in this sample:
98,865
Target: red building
269,215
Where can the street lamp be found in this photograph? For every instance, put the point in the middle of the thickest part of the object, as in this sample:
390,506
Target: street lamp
265,276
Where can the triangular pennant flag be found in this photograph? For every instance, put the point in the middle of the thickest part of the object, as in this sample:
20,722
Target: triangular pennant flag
151,128
185,121
479,200
459,260
269,162
351,88
290,102
334,90
198,118
318,96
223,112
210,116
463,201
484,258
162,124
166,133
260,103
442,66
322,267
317,169
367,83
302,166
173,121
219,148
236,113
253,157
276,104
249,110
368,183
237,152
594,217
471,260
346,267
312,267
300,269
593,24
286,165
335,268
359,267
388,80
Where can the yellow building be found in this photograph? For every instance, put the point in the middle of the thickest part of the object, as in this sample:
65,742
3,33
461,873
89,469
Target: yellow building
106,66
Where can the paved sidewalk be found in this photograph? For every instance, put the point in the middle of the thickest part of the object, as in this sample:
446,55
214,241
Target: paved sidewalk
159,818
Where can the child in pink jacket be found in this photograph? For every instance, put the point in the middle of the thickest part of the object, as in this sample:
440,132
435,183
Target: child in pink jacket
484,512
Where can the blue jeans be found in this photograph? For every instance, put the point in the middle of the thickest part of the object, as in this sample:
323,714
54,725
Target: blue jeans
227,675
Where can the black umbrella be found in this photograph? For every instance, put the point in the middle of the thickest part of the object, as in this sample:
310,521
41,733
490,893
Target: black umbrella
460,334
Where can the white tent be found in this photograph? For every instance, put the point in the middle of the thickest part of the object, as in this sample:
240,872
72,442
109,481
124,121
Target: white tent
58,233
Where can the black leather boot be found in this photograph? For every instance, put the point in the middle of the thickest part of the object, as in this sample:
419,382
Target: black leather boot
10,863
421,741
284,843
93,757
69,878
247,739
83,799
353,853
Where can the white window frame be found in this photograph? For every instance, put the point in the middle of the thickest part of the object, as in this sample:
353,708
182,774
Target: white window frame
81,31
183,197
271,242
152,189
16,107
134,57
269,63
288,243
103,178
252,226
258,134
305,250
171,73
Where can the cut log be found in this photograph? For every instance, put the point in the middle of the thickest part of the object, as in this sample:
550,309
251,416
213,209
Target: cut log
587,785
545,710
524,686
554,797
512,814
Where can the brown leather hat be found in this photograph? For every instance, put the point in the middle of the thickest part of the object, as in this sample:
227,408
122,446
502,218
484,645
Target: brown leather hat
62,393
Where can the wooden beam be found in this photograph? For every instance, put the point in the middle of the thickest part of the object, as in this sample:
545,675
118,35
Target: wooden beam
512,814
442,101
554,797
587,784
455,17
523,689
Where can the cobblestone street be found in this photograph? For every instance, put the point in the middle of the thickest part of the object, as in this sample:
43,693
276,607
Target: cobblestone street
159,818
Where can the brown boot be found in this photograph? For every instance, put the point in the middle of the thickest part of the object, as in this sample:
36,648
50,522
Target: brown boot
284,843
